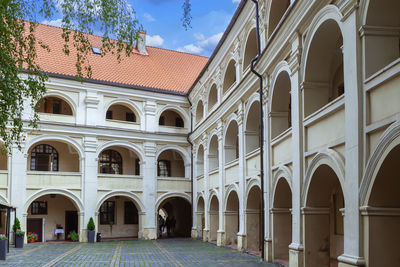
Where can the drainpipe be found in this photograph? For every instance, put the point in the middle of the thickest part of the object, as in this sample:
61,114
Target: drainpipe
261,140
191,159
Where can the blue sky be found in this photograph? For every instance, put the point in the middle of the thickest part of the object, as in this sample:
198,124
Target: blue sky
162,21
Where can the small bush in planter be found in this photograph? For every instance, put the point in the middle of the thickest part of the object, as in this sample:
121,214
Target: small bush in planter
73,236
3,247
90,227
19,238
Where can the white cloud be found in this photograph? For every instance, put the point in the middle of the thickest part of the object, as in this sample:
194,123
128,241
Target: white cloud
148,17
56,22
155,40
235,1
202,44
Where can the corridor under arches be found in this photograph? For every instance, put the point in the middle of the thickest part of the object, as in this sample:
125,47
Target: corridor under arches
231,219
176,212
323,219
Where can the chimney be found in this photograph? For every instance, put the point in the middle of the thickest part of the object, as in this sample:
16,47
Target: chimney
141,43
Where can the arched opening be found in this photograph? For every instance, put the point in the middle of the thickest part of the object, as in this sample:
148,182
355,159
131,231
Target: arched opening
53,105
252,133
282,221
171,118
53,156
253,220
200,161
281,118
324,80
230,76
170,164
199,111
381,35
200,217
232,219
213,219
382,216
323,219
176,214
212,97
118,216
213,161
231,142
278,9
122,112
118,160
251,48
53,217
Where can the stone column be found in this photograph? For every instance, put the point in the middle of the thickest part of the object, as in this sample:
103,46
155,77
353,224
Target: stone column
89,185
221,175
150,190
353,249
296,254
241,237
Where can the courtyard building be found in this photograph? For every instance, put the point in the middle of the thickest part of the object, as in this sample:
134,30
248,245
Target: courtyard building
170,133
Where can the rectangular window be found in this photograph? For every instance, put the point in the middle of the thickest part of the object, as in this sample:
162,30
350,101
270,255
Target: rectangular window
137,167
130,117
164,168
107,211
39,208
56,107
109,115
130,213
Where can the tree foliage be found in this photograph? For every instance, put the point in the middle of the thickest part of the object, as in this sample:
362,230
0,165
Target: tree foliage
21,76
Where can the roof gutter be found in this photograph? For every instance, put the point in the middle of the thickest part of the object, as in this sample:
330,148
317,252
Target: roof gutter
261,140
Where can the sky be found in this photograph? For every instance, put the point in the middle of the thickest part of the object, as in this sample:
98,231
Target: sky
162,21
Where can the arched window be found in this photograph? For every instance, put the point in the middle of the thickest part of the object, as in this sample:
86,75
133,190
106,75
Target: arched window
44,158
110,162
53,105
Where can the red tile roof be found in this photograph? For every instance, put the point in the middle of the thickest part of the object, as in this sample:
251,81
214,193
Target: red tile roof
161,69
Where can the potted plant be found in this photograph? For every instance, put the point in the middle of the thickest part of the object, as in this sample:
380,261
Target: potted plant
18,234
90,228
3,247
32,237
73,236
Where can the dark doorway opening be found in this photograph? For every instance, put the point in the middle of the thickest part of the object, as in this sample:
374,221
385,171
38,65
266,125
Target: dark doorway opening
35,225
71,222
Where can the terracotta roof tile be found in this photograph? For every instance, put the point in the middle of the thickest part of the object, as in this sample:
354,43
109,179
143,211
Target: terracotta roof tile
161,69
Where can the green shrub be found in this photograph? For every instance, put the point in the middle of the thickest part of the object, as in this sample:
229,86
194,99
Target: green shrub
73,236
90,225
17,225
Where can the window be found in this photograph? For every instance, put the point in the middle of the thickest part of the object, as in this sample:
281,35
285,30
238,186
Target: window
110,162
164,168
179,122
161,121
137,167
107,210
130,117
39,208
130,213
109,115
44,158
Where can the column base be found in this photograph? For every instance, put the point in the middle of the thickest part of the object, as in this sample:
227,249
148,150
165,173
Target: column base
268,250
205,235
350,261
221,239
296,255
194,233
241,242
150,233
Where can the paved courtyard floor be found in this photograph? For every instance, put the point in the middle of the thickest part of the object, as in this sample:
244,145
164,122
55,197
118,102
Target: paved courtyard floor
165,252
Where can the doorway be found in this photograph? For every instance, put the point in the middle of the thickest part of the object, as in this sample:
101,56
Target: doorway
71,222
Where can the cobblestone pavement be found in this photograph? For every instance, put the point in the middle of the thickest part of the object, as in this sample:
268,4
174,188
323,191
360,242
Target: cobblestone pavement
165,252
